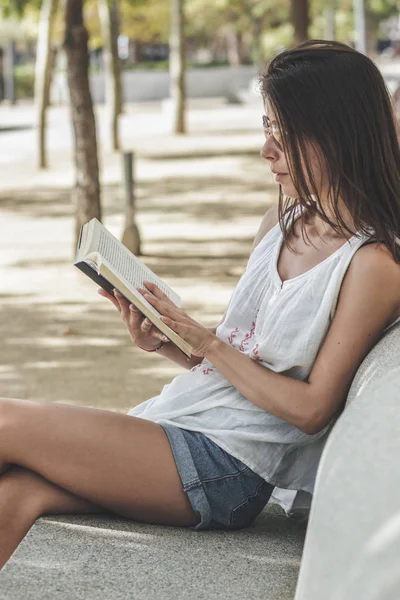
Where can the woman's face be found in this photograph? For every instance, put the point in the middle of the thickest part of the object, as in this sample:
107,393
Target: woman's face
273,152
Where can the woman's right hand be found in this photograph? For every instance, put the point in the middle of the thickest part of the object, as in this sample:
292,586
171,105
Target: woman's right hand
142,331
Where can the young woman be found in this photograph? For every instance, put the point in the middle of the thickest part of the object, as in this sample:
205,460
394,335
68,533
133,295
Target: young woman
263,389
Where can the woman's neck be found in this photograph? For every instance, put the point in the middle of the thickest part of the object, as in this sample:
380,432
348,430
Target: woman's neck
317,228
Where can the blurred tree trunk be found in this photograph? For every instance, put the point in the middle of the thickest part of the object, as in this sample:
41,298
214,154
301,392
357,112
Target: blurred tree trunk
87,188
257,49
109,19
43,67
177,67
300,20
235,46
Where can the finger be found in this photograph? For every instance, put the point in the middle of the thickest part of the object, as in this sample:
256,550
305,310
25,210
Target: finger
169,310
110,297
155,290
146,325
120,297
123,305
174,325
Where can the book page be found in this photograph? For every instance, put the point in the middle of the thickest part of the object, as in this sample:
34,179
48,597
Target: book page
128,266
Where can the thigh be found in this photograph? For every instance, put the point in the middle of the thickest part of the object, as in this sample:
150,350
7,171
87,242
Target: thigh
120,462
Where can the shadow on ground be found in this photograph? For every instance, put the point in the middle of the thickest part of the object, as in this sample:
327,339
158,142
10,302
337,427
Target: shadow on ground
79,351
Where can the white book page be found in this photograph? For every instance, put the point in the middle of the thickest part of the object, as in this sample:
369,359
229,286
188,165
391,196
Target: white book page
126,265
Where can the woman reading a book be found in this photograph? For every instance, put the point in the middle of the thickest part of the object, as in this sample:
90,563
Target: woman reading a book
263,389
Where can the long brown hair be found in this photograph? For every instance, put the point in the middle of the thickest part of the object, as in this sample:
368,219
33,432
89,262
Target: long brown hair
329,97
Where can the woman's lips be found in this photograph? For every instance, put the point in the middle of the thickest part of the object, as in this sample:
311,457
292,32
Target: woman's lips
280,176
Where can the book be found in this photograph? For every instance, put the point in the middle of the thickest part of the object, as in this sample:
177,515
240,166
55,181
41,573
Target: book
104,259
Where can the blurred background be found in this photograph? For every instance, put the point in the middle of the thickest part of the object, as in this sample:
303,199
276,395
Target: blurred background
145,114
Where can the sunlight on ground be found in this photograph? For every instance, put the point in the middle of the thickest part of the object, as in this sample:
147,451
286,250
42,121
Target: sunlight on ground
200,199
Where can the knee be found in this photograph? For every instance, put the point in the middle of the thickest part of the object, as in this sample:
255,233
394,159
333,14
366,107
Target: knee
7,406
23,489
11,412
6,420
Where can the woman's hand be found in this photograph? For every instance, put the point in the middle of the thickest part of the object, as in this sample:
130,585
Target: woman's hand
187,328
142,331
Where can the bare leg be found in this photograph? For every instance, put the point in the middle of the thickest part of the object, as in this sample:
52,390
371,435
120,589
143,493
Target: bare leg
122,463
24,496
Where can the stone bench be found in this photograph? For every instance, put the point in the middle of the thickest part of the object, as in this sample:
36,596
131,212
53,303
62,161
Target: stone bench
102,558
352,546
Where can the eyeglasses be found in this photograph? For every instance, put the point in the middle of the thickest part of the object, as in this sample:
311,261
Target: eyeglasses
272,129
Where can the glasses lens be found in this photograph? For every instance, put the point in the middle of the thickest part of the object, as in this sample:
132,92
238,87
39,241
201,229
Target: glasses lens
276,134
272,130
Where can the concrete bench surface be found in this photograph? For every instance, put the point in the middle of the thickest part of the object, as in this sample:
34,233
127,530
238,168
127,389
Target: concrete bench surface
95,558
104,557
352,545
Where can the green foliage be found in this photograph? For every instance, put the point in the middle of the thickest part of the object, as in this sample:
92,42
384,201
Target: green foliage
163,65
17,7
145,20
24,81
261,24
383,8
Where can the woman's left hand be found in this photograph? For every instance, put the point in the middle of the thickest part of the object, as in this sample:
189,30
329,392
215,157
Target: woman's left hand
199,337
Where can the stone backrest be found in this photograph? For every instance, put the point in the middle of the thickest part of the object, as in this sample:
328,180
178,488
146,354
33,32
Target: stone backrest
382,358
353,538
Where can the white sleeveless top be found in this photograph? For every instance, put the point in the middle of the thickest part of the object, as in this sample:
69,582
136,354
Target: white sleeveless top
282,326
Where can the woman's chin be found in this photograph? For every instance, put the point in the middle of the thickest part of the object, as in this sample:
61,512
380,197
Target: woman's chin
289,190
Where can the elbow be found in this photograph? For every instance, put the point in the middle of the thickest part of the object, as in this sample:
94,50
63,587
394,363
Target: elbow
313,423
311,428
317,414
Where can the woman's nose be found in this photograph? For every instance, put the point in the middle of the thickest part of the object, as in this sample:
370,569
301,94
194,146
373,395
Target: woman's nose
269,150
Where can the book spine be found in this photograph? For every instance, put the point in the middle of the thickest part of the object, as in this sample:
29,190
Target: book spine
99,279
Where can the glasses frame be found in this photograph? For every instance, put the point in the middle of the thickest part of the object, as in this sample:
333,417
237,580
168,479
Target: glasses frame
273,130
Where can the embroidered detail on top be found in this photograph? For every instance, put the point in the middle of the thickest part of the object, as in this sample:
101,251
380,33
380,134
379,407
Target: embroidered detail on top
208,371
255,352
232,336
196,367
247,338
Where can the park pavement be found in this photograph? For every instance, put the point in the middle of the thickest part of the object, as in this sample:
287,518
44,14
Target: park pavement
200,198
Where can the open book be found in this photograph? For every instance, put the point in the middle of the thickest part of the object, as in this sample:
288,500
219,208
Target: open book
111,265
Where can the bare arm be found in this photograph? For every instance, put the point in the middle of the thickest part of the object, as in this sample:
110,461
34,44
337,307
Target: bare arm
362,314
173,353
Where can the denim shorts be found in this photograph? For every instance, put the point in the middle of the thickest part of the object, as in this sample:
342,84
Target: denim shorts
225,493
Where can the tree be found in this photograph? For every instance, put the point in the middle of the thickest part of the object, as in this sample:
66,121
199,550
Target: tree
87,188
238,27
43,68
177,66
109,18
300,20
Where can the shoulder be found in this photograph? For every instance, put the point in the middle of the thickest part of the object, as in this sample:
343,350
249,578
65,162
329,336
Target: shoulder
375,261
372,271
270,219
368,302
